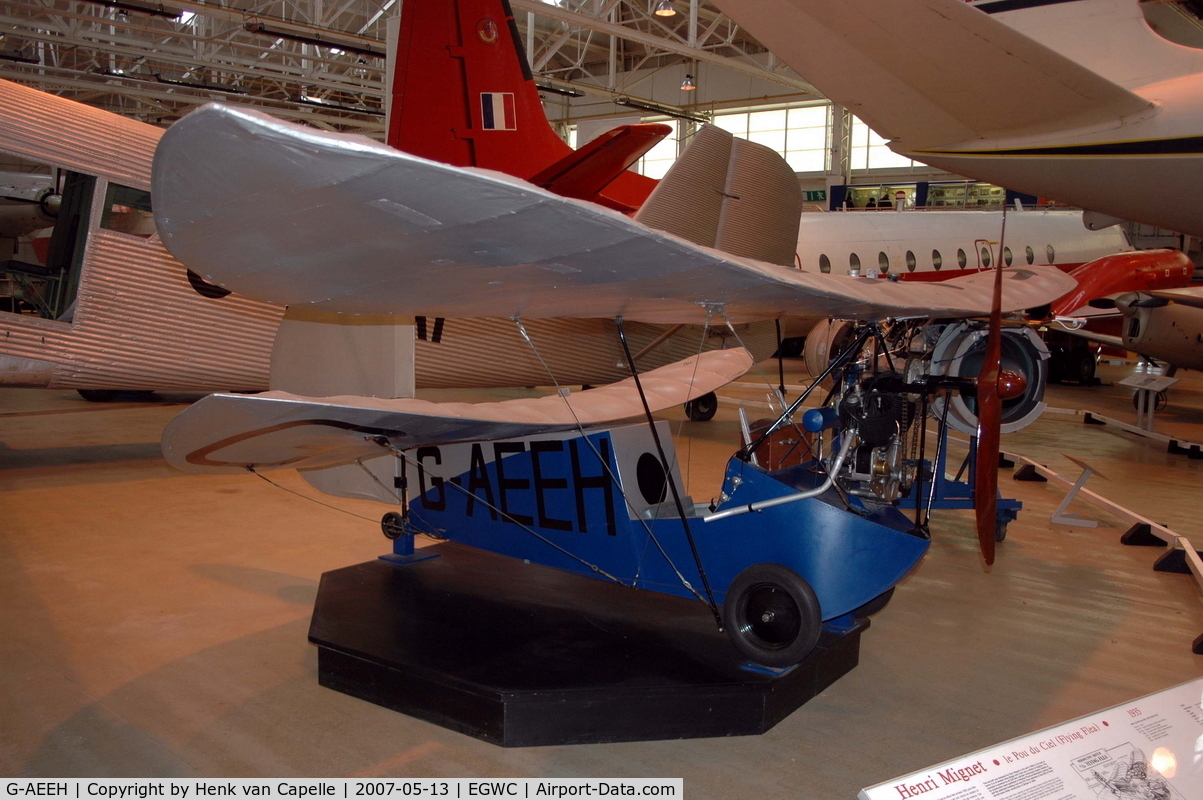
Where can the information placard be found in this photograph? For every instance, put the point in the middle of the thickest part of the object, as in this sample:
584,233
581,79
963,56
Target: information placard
1153,383
1143,750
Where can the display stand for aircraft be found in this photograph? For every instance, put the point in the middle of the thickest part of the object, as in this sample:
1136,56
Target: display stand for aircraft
938,491
523,655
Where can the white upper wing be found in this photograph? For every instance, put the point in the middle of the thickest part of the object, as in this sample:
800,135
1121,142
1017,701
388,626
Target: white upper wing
290,215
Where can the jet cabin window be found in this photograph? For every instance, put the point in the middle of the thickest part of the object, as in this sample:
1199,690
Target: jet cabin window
853,261
824,263
1050,253
985,256
962,259
937,260
1028,254
883,262
1007,256
910,261
44,216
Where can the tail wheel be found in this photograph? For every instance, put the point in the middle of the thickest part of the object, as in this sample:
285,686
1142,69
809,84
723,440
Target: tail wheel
772,615
703,408
392,525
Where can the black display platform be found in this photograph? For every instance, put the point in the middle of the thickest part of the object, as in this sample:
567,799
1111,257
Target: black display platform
522,655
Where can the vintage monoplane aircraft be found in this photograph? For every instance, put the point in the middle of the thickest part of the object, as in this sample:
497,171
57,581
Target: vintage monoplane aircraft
342,224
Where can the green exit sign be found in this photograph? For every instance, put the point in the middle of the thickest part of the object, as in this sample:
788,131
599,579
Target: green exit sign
820,194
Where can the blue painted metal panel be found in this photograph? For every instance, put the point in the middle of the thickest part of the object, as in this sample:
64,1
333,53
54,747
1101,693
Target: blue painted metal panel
556,490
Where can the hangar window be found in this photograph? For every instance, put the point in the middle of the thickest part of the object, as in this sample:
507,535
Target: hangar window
870,151
883,261
985,256
799,134
1007,256
962,260
1028,254
854,261
937,260
824,263
43,236
1050,253
127,210
910,261
655,162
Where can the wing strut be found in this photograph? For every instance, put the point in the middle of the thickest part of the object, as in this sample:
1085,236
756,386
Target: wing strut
672,485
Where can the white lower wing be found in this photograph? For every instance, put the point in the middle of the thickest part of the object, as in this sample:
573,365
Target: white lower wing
294,216
273,430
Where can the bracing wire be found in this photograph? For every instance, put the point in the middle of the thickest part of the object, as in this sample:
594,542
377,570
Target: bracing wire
668,472
258,474
605,465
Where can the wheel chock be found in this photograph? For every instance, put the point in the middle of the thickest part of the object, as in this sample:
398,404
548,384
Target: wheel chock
1173,561
1028,473
1141,535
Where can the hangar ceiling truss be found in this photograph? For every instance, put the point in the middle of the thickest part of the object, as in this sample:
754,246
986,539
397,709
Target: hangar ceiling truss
322,60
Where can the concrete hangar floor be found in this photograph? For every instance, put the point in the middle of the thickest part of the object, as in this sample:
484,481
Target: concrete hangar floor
154,623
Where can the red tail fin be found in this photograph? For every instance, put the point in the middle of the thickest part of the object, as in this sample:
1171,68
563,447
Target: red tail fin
463,94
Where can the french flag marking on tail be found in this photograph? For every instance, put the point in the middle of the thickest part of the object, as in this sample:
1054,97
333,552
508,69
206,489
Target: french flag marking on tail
497,111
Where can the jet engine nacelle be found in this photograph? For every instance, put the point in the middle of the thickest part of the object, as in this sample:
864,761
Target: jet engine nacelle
1155,327
960,351
25,210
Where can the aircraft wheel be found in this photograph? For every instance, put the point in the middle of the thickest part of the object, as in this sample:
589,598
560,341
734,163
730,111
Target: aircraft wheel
392,525
98,395
772,615
876,604
1000,530
703,408
1159,401
1082,366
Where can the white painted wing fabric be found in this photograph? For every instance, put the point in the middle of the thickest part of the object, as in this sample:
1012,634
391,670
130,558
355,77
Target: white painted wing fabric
290,215
273,430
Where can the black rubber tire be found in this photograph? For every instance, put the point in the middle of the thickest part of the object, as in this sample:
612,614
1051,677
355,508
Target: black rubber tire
876,604
98,395
392,525
1160,401
1000,530
703,408
1082,367
772,615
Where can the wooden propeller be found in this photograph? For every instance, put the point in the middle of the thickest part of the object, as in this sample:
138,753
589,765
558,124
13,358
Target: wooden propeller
989,422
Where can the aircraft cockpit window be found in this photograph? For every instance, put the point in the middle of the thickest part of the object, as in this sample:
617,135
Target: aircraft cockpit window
962,259
937,260
1050,253
985,256
44,216
910,261
883,262
127,210
853,261
824,263
1007,256
1029,255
